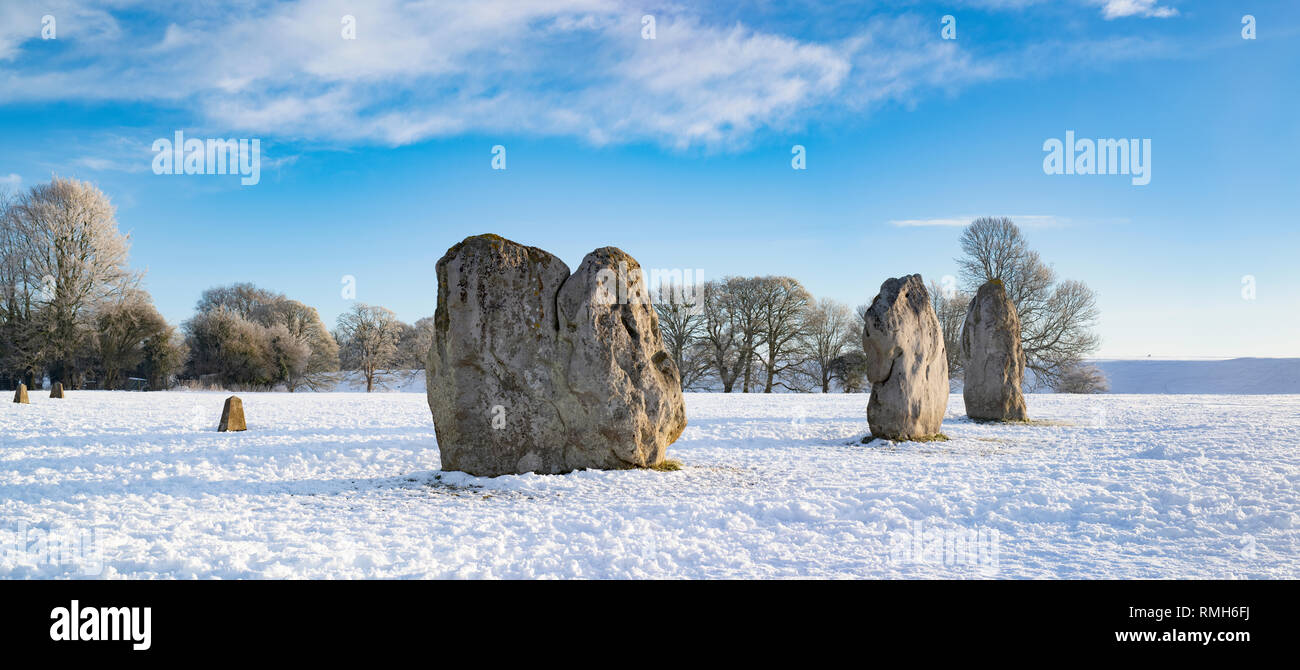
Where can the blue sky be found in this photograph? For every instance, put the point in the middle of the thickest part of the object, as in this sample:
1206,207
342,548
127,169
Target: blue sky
376,152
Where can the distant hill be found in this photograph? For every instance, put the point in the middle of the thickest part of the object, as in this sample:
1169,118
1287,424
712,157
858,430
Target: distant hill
1234,375
1145,375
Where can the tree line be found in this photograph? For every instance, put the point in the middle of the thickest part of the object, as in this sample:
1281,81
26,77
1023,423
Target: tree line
760,334
72,310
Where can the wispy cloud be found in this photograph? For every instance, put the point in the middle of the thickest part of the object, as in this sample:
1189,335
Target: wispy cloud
1023,220
11,181
419,70
1110,9
1115,9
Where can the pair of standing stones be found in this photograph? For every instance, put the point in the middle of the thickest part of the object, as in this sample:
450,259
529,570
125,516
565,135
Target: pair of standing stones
907,362
536,369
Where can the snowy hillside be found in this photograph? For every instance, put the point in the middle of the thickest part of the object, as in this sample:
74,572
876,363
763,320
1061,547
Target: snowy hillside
1235,375
348,485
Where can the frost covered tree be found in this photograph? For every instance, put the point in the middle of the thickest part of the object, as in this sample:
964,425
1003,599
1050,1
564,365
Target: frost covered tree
229,346
1057,318
413,344
64,258
20,345
368,338
295,347
1082,378
319,351
163,356
122,329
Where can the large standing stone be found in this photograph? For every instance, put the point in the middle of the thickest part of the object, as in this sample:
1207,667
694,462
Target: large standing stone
20,396
232,416
906,362
56,391
532,370
993,359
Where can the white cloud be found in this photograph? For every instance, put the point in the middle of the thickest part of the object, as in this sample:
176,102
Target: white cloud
1022,220
1110,9
1114,9
13,180
419,70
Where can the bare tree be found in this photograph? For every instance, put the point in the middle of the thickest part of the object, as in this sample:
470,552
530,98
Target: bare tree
368,340
744,304
67,235
828,333
950,306
681,319
783,304
850,370
719,339
1056,319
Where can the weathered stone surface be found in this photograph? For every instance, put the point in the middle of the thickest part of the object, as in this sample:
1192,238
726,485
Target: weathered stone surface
232,415
56,391
993,359
20,396
532,370
629,402
906,362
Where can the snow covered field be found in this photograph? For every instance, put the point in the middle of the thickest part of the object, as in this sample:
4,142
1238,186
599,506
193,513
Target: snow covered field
114,484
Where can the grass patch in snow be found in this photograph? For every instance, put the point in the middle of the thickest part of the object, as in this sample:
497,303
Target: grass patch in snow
937,437
668,465
1011,422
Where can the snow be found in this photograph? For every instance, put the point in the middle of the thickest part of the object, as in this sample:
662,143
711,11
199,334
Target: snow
347,485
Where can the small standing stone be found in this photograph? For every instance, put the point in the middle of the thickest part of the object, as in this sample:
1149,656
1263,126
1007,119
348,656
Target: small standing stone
20,396
232,415
56,391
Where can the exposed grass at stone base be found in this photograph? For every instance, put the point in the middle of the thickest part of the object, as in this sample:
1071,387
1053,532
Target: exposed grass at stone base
937,437
667,465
